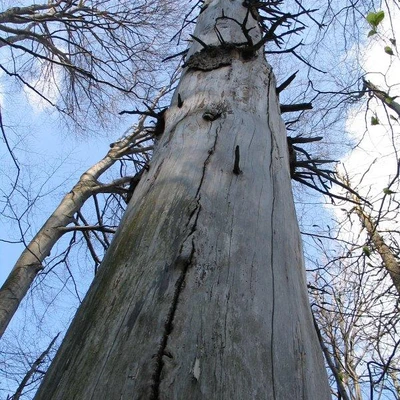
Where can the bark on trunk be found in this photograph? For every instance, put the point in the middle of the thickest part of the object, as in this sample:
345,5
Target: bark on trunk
383,97
389,260
202,293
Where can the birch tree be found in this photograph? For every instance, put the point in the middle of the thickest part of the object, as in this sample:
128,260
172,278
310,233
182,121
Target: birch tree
76,56
31,261
202,293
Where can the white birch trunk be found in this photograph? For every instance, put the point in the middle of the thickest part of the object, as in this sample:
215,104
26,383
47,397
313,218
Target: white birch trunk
202,294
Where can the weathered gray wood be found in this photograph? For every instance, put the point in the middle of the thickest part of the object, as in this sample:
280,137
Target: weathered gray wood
202,294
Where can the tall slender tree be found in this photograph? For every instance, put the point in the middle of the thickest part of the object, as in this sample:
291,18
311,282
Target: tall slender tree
202,293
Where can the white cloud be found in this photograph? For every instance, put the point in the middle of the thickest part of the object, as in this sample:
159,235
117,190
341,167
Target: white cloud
375,149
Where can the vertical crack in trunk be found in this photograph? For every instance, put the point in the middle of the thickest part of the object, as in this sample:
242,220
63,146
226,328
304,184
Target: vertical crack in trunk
273,296
182,262
272,241
206,162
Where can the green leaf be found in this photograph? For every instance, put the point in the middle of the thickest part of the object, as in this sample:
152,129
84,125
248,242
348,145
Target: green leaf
367,251
388,191
388,50
388,100
374,120
393,41
372,32
393,117
374,19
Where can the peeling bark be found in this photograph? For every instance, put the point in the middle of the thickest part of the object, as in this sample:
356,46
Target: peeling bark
212,57
202,293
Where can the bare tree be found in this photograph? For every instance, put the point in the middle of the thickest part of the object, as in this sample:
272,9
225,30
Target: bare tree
65,219
35,368
388,255
79,56
202,292
165,248
357,319
354,282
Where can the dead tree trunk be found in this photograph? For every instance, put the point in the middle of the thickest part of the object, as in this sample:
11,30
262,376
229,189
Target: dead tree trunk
202,293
